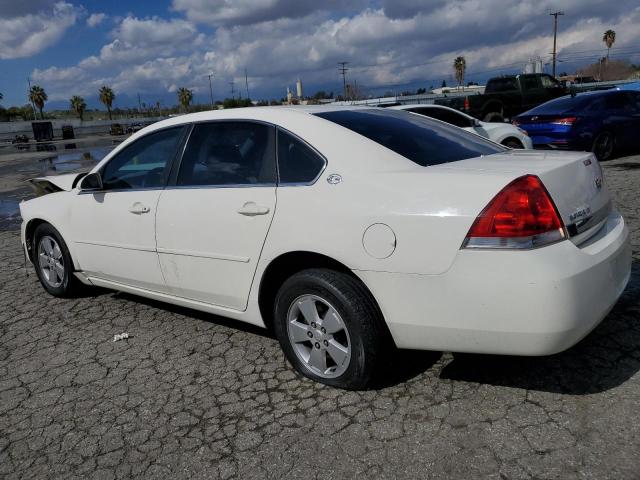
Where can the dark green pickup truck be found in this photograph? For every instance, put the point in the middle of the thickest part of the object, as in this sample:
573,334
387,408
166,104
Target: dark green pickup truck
507,96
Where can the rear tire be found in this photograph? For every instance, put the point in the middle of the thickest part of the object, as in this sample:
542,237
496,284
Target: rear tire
603,146
53,264
330,328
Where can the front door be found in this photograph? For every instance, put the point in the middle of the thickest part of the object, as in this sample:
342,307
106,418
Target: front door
113,229
211,225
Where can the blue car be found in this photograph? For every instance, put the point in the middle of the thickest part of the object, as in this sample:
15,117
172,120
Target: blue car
603,122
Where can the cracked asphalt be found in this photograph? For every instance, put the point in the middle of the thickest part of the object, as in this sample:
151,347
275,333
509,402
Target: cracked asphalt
190,395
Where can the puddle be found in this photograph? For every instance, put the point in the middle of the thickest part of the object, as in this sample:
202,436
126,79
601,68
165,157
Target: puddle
13,177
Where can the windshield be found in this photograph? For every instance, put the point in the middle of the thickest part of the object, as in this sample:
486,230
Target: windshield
419,139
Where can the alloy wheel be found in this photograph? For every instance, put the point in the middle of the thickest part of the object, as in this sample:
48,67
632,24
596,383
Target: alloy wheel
51,261
319,336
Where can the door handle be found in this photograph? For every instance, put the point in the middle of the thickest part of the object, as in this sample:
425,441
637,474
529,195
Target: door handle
139,208
250,209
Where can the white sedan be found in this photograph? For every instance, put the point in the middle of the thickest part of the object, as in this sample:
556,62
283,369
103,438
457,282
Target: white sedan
349,231
503,133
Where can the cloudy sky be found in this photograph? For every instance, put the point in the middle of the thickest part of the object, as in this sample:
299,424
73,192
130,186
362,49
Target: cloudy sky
152,47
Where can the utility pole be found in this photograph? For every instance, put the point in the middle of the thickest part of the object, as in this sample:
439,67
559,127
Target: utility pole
210,90
233,92
555,34
343,71
139,104
246,82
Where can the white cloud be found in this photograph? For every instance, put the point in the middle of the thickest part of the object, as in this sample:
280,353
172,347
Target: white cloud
384,46
96,19
32,32
244,12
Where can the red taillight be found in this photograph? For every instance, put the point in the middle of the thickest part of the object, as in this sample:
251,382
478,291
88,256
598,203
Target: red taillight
522,215
466,103
564,121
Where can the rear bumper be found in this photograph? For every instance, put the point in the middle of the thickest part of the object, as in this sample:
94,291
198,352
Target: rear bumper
535,302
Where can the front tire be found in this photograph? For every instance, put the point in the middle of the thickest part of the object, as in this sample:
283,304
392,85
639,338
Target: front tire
330,328
513,143
53,264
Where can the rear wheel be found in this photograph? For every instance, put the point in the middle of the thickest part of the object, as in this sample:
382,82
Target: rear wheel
603,146
53,263
330,328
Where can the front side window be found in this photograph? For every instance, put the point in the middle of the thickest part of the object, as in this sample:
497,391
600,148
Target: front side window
415,137
143,164
548,82
297,162
229,153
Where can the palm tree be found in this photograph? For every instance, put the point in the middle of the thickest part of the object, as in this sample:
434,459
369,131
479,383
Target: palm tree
609,38
38,96
184,97
78,105
460,65
107,97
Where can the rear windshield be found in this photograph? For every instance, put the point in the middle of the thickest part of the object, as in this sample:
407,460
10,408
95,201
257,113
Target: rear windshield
420,139
562,105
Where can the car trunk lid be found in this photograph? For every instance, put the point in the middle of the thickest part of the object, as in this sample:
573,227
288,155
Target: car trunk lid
573,179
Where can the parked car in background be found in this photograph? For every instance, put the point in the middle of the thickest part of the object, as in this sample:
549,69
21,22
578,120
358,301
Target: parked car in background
134,127
390,230
603,122
116,129
503,133
507,96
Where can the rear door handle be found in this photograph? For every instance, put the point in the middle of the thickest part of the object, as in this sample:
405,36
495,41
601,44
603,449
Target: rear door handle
250,209
139,208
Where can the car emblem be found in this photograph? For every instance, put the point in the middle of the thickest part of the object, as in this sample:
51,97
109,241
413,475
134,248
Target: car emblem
334,179
598,183
587,162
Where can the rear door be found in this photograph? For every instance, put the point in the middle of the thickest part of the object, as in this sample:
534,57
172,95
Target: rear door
213,218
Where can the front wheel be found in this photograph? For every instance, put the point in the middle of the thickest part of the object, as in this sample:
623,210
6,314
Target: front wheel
603,146
53,264
512,143
330,328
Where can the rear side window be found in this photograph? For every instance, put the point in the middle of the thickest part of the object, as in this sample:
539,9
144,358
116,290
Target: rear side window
419,139
229,153
297,162
529,83
502,85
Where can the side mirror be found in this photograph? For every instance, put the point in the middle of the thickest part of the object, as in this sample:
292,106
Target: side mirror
476,123
92,181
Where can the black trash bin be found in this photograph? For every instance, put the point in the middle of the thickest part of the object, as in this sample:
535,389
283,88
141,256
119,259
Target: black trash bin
42,131
67,132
